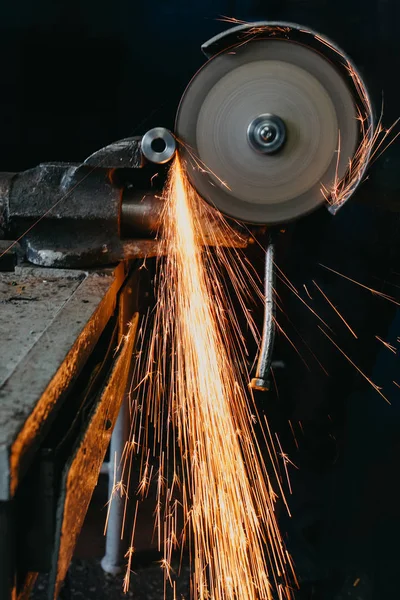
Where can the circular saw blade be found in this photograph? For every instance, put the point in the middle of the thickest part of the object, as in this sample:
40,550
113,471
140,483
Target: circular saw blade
278,77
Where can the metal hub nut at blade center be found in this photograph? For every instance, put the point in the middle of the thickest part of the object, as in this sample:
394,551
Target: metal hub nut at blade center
266,134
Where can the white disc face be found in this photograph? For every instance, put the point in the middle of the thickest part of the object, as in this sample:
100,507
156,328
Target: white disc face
281,78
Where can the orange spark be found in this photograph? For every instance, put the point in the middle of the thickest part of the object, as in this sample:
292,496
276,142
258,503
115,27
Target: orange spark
374,292
307,292
372,384
129,554
286,462
118,489
193,393
285,280
335,309
386,344
230,518
294,435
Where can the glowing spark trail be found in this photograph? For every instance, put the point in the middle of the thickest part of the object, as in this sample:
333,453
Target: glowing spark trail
365,287
372,384
205,420
335,309
386,344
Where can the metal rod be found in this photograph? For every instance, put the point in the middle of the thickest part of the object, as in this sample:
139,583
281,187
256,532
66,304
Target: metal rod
141,213
261,379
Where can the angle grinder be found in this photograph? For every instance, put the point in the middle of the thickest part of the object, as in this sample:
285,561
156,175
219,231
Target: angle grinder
272,121
276,121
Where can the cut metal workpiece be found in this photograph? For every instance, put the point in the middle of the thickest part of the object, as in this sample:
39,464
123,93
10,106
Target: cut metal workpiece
158,145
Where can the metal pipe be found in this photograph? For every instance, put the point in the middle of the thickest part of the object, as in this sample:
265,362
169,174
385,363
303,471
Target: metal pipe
261,379
112,562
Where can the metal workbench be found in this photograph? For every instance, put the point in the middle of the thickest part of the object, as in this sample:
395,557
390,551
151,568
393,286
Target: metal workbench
66,342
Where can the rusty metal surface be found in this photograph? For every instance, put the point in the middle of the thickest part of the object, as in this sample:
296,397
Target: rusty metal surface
29,302
68,215
71,215
124,153
60,207
82,471
70,322
71,451
61,191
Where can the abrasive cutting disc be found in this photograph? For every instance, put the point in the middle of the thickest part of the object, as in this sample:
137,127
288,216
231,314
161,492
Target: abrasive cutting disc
276,77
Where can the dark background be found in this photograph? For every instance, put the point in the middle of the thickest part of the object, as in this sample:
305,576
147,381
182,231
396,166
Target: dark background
79,75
